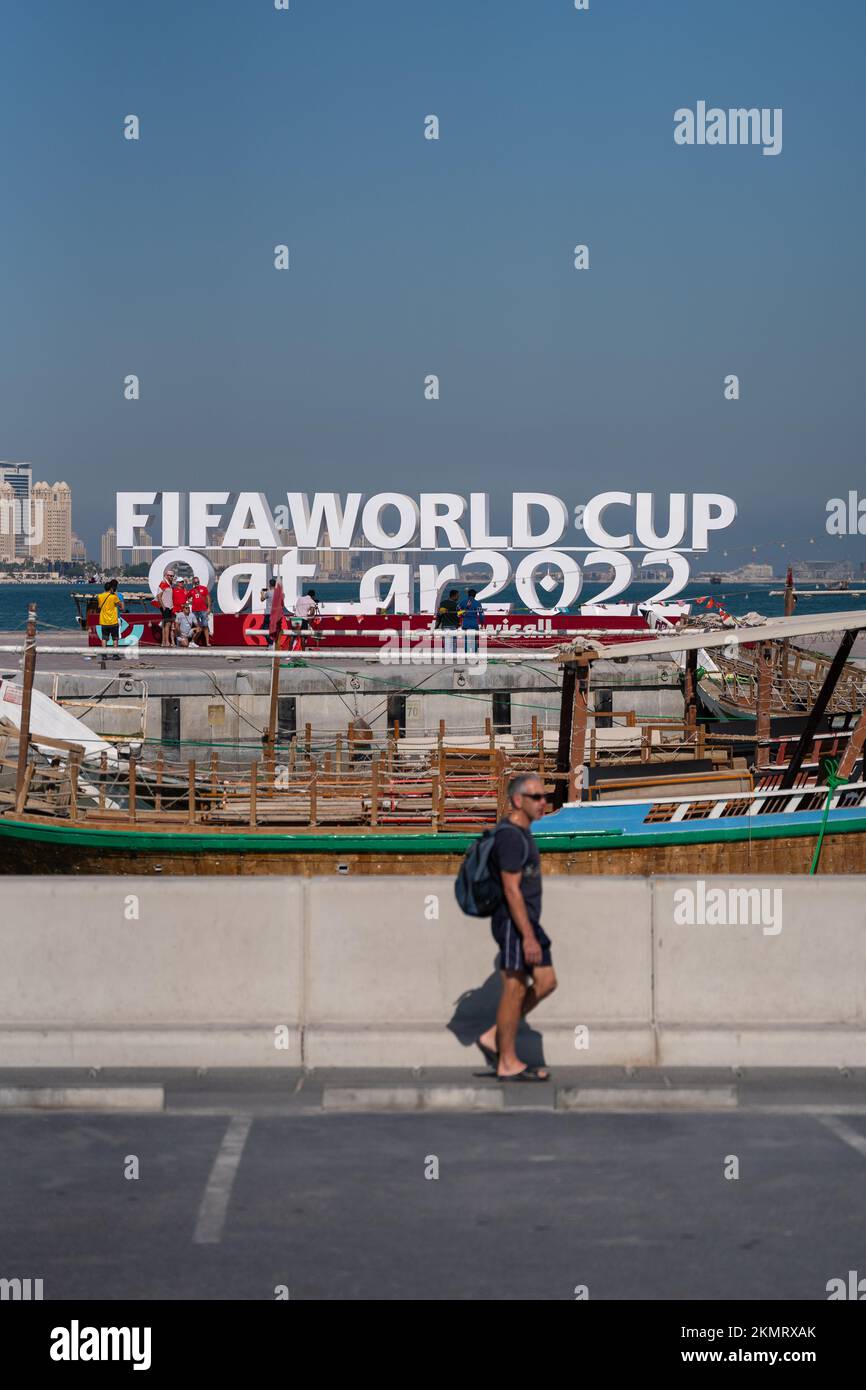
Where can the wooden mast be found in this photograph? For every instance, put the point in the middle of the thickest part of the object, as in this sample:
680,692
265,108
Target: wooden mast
763,705
563,748
690,689
577,751
790,603
271,735
837,666
26,700
571,747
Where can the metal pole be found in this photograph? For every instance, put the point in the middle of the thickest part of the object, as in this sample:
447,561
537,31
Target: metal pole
763,702
26,700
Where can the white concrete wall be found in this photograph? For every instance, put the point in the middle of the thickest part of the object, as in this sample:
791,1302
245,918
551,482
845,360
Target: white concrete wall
387,972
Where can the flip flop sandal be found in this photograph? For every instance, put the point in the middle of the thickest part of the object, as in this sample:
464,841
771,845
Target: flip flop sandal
490,1056
528,1074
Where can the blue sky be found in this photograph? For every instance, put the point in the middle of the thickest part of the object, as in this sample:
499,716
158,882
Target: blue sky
411,256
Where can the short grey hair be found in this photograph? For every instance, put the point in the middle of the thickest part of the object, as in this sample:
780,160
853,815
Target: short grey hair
518,784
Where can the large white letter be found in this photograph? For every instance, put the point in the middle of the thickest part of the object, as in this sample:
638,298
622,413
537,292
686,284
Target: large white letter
645,521
593,525
229,597
479,523
371,525
290,572
500,573
432,520
521,529
262,530
181,554
572,579
703,519
400,590
171,518
200,519
128,519
431,582
307,521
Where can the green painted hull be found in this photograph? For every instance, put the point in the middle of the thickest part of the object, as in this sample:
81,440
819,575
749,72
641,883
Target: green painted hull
167,843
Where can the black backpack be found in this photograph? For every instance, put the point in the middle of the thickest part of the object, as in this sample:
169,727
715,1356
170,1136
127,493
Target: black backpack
478,887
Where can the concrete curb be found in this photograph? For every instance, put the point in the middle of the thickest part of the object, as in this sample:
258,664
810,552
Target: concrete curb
647,1098
365,1098
82,1098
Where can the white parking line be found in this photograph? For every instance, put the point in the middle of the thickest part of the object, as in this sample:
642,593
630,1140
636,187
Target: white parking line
215,1202
845,1133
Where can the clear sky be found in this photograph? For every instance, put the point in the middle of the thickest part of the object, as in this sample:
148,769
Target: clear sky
452,257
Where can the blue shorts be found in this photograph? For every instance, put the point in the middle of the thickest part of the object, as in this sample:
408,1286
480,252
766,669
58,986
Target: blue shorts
510,944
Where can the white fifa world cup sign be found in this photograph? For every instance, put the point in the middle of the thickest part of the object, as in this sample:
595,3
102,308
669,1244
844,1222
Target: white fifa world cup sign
410,536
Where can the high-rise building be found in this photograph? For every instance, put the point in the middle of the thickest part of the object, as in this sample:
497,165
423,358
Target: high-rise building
79,550
51,522
19,476
109,558
7,522
142,554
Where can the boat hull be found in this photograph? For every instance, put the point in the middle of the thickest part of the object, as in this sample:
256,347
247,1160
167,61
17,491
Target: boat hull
28,846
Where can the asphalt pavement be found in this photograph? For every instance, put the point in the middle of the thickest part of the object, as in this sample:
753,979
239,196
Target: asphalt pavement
249,1186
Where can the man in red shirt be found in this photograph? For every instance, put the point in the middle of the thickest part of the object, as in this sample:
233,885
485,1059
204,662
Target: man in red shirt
165,602
179,595
199,600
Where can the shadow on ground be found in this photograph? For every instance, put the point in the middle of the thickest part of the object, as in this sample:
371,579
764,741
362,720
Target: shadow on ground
475,1012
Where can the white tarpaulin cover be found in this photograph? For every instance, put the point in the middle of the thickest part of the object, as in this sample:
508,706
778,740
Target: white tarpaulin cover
52,721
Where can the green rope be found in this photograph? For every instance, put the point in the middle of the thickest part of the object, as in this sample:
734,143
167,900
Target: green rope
831,769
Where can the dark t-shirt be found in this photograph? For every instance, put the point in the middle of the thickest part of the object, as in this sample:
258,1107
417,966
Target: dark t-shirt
515,847
448,615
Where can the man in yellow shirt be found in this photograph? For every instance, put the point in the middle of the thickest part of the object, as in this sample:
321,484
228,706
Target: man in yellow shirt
109,614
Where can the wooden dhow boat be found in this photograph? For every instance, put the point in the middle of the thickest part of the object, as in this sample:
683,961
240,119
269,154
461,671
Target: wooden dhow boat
372,814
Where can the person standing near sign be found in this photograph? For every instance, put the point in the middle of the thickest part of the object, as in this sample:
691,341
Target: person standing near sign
306,608
165,599
275,620
471,618
200,606
448,619
109,615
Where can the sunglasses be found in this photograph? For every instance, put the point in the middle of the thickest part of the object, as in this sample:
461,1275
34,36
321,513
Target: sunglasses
534,796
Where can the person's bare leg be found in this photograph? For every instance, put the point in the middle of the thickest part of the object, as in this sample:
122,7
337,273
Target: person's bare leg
508,1020
544,983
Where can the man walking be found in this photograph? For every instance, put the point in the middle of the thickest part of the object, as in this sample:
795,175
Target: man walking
526,966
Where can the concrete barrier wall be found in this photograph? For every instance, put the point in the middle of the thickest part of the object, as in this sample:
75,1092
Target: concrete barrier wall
387,972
